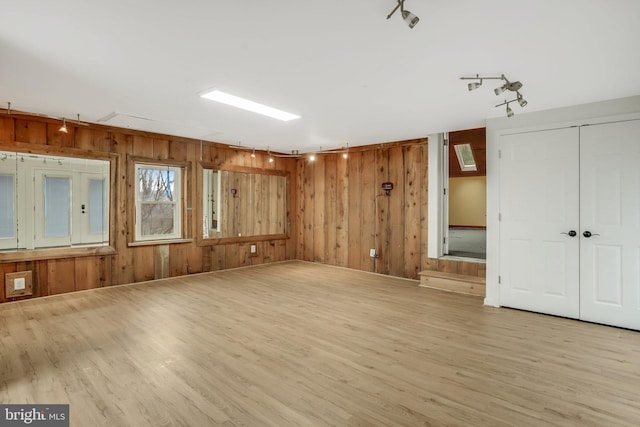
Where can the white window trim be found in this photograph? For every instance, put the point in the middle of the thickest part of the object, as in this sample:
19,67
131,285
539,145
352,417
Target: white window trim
178,190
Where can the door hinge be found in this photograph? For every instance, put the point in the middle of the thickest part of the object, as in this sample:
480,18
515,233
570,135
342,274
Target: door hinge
499,280
499,154
499,217
444,191
444,240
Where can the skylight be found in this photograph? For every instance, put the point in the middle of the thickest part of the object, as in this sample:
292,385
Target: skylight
245,104
465,157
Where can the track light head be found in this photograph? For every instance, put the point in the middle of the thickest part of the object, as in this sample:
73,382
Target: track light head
312,157
410,18
521,100
63,128
509,111
253,153
474,85
500,89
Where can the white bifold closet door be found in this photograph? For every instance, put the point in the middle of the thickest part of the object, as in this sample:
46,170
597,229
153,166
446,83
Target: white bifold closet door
570,222
539,209
610,212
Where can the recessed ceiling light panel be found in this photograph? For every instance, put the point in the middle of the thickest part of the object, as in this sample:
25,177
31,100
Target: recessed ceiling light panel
245,104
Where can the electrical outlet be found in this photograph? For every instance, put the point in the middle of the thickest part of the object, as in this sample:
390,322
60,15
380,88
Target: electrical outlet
254,249
372,253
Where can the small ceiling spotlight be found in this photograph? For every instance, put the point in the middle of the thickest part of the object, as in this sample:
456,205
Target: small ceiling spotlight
63,128
509,110
253,154
507,86
312,157
270,156
521,100
410,18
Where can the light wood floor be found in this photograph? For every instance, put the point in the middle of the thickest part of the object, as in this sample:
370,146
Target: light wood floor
301,344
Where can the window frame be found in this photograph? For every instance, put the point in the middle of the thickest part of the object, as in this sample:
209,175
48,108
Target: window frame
181,230
74,250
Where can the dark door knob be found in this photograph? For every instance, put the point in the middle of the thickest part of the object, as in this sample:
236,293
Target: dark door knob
588,234
571,233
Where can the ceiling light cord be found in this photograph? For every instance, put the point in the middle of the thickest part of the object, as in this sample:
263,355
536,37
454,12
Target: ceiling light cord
507,86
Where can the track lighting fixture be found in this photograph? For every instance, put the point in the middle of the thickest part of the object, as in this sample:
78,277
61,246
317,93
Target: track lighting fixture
253,154
408,17
63,128
312,157
507,86
270,156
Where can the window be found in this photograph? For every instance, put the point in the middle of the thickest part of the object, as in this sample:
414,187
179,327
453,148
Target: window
53,201
465,157
158,202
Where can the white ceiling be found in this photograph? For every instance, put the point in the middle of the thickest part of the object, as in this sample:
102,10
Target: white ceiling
353,76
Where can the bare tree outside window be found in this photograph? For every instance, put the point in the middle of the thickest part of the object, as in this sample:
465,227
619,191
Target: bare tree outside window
157,196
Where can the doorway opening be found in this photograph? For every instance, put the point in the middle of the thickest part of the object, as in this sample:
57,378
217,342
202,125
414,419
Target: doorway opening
465,216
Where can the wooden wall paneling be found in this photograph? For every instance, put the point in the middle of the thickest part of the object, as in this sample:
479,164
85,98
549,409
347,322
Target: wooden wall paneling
319,209
31,131
412,221
142,146
88,273
245,217
161,148
396,211
381,211
92,140
161,261
194,225
177,150
42,268
299,208
218,257
122,264
275,200
144,263
61,275
232,256
355,246
424,205
179,260
264,216
469,268
309,210
342,212
367,213
106,270
330,222
7,129
278,189
61,139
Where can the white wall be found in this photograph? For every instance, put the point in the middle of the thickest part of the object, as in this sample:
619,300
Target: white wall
599,112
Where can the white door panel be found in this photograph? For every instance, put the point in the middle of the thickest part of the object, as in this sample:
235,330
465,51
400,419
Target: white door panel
610,210
539,175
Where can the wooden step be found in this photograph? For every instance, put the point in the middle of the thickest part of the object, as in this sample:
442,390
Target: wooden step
453,282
